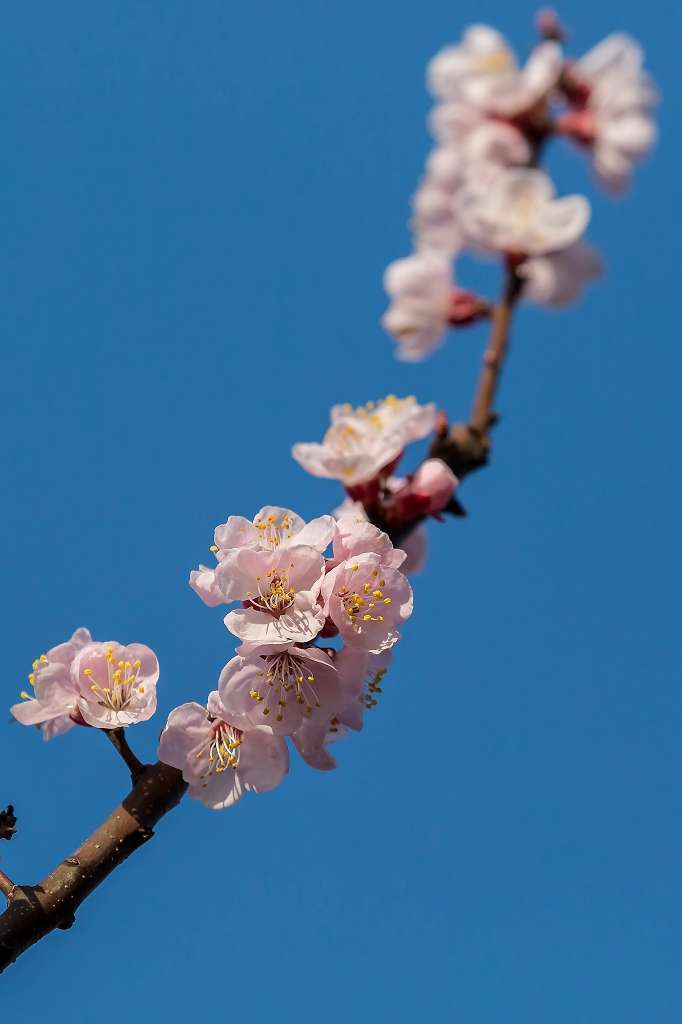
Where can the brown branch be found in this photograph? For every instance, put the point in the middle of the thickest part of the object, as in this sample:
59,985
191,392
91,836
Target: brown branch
36,910
466,446
482,415
6,885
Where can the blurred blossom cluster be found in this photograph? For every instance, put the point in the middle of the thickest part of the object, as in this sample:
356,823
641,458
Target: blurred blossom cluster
482,188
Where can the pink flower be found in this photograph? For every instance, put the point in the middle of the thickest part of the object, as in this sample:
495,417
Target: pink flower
361,675
279,590
54,705
281,688
414,545
365,443
274,528
203,582
271,529
519,214
482,70
424,494
221,756
104,685
355,535
556,280
367,600
117,684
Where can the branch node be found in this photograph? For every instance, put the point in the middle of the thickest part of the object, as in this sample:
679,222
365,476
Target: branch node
8,822
464,449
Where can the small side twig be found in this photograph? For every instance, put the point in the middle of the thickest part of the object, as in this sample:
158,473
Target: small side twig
119,742
8,823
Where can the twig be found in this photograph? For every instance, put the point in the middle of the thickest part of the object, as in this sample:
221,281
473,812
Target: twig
466,446
119,741
482,414
8,822
34,911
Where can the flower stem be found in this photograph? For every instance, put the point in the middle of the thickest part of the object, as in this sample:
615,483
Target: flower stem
117,738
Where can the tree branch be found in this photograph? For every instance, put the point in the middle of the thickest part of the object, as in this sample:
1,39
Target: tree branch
6,885
466,446
36,910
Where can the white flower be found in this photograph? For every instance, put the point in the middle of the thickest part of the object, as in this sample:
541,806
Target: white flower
475,137
482,70
519,214
420,288
618,117
471,147
363,443
434,221
558,278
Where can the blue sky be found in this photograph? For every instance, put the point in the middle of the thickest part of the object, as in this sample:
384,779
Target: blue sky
197,205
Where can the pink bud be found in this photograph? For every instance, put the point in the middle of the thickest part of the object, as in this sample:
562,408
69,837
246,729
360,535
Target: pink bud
466,307
424,494
368,492
575,87
548,25
433,484
578,125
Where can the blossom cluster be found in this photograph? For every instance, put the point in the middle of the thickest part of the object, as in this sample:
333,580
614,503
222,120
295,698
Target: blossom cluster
482,189
85,682
293,594
362,449
316,607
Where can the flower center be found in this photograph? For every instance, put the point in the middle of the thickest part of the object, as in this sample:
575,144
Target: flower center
273,532
275,592
364,603
223,748
284,676
122,683
368,697
346,440
38,663
495,63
